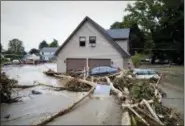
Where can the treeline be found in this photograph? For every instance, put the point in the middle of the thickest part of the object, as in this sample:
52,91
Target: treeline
157,29
43,44
16,48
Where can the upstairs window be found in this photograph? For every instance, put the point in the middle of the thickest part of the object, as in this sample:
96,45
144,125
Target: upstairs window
82,41
92,39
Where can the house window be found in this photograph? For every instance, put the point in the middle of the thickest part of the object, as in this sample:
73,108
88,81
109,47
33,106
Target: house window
92,39
82,41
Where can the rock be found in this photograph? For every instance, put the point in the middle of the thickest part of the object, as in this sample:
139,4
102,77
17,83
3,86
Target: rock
35,92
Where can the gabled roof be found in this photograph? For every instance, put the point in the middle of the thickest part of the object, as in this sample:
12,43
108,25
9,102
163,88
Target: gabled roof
49,49
119,33
101,30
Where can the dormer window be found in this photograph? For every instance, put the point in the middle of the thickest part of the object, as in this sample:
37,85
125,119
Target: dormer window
82,41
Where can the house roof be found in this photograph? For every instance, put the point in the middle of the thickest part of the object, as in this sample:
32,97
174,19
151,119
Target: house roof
101,30
30,56
119,33
49,49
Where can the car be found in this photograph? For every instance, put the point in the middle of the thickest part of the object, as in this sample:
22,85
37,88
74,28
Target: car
145,74
103,70
147,60
15,61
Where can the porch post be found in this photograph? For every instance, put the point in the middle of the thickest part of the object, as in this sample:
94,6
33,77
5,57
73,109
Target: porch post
87,67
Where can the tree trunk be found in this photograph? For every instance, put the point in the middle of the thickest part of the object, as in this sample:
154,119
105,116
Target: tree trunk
64,111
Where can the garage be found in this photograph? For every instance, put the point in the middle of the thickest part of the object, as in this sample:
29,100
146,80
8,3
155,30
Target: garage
75,63
99,62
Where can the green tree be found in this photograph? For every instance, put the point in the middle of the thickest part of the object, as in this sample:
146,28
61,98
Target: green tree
16,46
162,22
137,38
54,43
170,33
43,44
34,51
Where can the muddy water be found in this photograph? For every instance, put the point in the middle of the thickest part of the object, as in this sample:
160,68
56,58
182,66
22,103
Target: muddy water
104,110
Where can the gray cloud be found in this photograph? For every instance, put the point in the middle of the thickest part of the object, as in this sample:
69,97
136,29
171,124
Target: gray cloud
34,21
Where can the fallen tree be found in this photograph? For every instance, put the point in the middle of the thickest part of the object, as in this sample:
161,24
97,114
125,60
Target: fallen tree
64,111
142,94
38,84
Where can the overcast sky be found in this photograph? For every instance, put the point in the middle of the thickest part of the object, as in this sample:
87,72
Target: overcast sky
34,21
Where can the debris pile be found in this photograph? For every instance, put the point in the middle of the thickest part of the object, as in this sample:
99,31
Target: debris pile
74,73
140,99
5,87
139,89
144,104
75,85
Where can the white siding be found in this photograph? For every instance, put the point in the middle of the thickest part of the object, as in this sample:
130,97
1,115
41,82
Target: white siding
123,44
103,49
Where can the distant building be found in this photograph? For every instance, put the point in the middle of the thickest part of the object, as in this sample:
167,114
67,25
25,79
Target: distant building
30,58
47,53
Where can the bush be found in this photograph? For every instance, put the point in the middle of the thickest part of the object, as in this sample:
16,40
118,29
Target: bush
136,59
5,88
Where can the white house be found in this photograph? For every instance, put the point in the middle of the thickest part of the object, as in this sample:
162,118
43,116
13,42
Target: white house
48,52
30,58
90,45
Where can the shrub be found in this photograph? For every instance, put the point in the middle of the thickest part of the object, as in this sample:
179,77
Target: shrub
136,59
5,88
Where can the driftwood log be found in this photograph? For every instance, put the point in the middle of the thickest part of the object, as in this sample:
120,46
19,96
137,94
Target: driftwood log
152,112
80,80
23,86
144,112
63,111
115,90
157,93
38,84
141,118
125,115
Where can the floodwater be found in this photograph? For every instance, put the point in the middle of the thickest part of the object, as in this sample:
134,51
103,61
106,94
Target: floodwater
33,108
27,74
